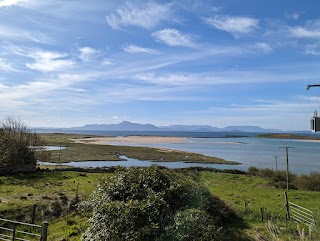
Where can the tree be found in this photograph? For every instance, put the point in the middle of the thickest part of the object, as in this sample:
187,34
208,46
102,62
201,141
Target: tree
152,203
19,147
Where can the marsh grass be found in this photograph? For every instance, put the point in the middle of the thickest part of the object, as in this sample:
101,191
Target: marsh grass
92,152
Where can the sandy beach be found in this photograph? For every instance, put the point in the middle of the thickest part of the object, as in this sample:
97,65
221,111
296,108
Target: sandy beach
118,140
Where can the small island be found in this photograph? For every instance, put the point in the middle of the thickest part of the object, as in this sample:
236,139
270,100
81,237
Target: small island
289,136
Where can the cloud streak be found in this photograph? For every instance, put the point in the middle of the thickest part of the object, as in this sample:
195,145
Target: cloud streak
234,24
46,61
173,37
8,3
134,49
147,16
17,34
5,66
87,54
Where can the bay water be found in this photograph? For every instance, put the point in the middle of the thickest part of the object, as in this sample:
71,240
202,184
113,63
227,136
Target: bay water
246,148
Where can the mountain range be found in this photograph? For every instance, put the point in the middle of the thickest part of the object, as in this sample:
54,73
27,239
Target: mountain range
129,126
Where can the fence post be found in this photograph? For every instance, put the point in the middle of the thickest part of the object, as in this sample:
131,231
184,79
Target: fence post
33,214
44,231
245,206
261,211
14,232
287,205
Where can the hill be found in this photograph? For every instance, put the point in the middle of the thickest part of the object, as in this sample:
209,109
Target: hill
129,126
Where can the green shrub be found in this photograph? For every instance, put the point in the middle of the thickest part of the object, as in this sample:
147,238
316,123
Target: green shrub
145,203
253,171
277,178
56,209
310,182
195,224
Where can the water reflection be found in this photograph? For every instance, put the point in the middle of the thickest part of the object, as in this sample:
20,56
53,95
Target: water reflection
127,162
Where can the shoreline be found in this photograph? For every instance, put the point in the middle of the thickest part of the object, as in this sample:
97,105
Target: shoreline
119,140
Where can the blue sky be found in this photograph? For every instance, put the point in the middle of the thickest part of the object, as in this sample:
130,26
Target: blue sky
220,63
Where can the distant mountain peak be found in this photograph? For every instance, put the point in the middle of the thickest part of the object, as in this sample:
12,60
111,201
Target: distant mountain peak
130,126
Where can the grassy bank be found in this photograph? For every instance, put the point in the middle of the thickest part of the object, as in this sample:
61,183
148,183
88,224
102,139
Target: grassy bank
54,191
289,136
92,152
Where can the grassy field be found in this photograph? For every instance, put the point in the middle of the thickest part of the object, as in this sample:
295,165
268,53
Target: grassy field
53,192
50,190
257,193
92,152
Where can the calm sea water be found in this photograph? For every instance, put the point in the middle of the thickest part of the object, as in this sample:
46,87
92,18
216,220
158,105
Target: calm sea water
250,150
258,152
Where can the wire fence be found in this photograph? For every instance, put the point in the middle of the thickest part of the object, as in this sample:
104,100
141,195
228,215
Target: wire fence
19,231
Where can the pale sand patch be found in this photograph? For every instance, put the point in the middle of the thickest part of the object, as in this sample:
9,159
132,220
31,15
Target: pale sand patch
118,140
307,140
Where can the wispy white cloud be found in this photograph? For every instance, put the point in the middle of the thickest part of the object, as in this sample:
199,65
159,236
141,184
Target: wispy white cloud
233,24
8,3
134,49
5,66
312,49
88,53
107,62
46,61
264,47
311,30
17,34
301,32
147,16
173,37
233,77
293,15
33,89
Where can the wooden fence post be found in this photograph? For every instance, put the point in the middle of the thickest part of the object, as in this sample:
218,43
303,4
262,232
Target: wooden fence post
44,231
287,205
33,214
245,206
261,211
14,232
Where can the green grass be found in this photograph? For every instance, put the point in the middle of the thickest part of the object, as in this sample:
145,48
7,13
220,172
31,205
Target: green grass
24,190
256,192
20,191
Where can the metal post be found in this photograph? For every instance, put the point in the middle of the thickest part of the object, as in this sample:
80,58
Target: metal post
276,159
44,231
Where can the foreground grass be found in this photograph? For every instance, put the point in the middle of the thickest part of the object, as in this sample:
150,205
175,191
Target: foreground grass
19,192
92,152
256,193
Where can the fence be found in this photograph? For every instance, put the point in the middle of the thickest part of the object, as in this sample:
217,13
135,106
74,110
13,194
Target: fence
19,231
302,215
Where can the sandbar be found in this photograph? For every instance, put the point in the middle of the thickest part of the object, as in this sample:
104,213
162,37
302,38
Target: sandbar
118,140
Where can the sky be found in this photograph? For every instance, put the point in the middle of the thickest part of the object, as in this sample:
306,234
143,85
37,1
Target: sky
187,62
